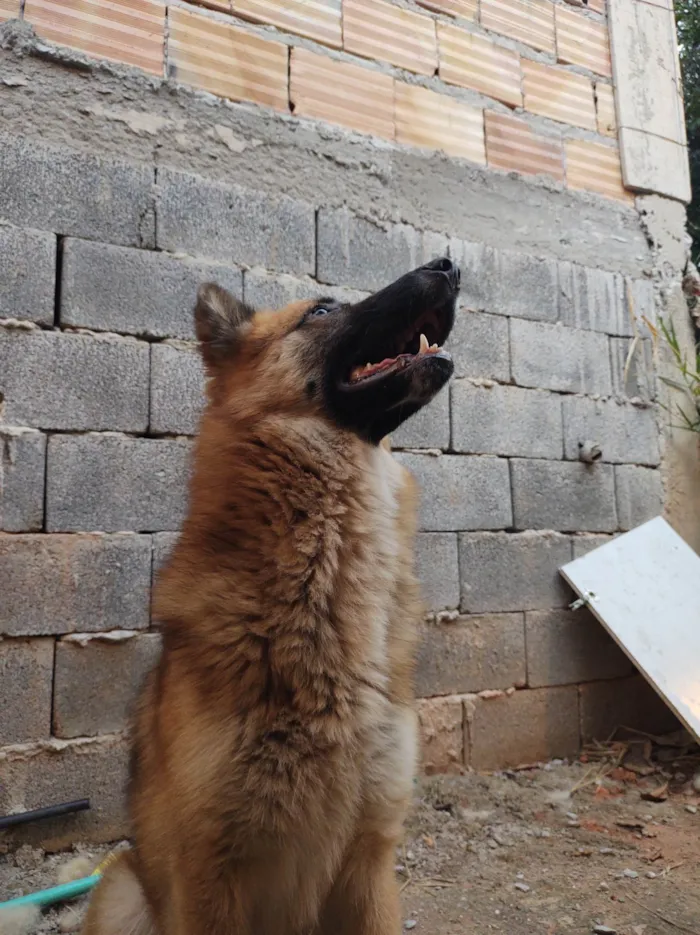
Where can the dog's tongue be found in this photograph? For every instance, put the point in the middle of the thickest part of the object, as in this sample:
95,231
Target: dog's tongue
359,373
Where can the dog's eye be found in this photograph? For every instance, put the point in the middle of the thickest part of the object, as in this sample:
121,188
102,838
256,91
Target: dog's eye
319,311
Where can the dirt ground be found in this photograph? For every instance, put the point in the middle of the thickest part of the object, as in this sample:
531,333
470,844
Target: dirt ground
554,849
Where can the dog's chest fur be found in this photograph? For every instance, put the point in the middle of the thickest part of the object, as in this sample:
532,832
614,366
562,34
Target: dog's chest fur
387,727
290,601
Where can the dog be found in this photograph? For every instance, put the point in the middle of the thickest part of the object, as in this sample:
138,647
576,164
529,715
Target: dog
275,743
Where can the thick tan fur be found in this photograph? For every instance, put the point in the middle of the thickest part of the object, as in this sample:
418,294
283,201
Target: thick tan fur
275,743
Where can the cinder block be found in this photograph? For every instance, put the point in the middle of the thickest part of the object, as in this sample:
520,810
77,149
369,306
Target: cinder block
428,428
506,420
564,647
59,584
629,702
471,654
564,496
507,283
361,254
163,544
79,194
27,274
642,302
267,290
593,299
640,494
584,544
458,492
626,434
233,225
96,682
61,772
131,291
437,565
114,483
177,389
26,671
442,735
558,358
529,726
480,346
639,380
512,572
22,468
52,380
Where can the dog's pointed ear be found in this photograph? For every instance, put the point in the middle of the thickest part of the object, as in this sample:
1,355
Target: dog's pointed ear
220,321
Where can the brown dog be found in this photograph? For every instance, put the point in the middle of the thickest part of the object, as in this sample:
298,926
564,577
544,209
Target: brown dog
275,742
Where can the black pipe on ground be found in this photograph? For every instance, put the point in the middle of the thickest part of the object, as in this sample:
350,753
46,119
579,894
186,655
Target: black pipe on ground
37,814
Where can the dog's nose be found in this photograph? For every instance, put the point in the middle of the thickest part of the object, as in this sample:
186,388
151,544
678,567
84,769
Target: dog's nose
445,265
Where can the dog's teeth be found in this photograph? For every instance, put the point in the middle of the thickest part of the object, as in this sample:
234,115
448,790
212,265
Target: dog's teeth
434,347
424,346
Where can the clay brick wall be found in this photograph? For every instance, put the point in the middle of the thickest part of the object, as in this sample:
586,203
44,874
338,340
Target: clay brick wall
287,149
444,74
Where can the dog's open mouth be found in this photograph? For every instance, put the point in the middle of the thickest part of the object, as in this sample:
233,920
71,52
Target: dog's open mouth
421,340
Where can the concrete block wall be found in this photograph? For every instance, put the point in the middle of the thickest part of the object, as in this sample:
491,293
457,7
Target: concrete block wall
112,209
101,390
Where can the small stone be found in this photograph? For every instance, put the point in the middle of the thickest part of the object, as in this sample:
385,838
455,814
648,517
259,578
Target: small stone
630,874
606,850
574,824
604,930
604,887
559,798
696,781
693,809
410,924
523,887
519,876
650,875
572,816
28,857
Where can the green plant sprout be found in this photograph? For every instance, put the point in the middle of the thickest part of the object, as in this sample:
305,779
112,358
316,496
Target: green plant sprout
689,381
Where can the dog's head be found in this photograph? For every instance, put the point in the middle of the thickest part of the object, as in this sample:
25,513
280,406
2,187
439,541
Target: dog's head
366,367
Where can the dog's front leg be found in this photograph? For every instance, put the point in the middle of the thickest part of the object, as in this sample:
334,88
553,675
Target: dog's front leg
365,897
